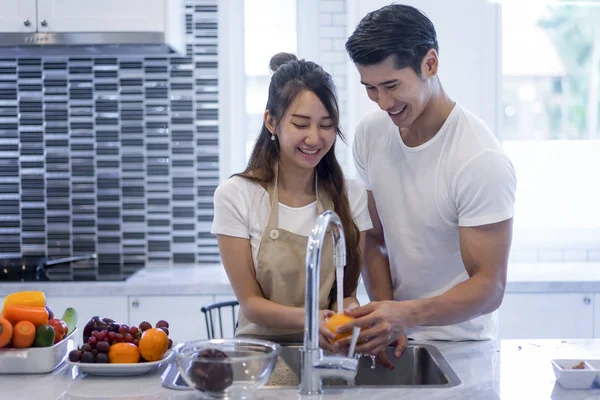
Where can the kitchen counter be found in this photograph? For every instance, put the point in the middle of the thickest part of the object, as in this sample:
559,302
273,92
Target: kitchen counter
510,369
212,280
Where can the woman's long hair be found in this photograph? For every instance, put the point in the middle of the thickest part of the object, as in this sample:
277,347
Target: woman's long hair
290,77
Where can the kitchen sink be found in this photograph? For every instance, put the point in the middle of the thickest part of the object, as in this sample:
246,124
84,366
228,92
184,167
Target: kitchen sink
421,366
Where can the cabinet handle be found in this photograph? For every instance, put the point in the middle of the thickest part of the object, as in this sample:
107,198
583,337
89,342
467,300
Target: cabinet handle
135,303
27,22
44,22
587,300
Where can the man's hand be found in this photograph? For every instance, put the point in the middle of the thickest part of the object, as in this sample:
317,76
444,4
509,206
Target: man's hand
382,357
381,323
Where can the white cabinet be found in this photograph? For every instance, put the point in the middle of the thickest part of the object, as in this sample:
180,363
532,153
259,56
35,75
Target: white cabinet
186,321
100,16
546,316
597,315
18,16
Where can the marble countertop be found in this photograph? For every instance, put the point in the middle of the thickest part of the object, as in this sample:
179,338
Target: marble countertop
211,279
509,369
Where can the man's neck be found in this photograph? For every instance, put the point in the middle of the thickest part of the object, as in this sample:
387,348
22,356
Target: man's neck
428,124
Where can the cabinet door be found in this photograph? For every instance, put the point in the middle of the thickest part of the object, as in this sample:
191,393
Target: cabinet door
546,316
597,315
186,321
114,307
17,16
101,15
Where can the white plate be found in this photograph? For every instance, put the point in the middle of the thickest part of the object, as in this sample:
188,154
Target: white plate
119,369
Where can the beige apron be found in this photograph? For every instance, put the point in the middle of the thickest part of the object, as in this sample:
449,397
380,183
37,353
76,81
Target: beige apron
281,270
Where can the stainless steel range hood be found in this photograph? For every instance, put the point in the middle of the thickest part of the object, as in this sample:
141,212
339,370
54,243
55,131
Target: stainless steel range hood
91,43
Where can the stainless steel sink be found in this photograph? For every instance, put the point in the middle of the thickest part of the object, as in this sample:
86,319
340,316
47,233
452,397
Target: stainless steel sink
421,366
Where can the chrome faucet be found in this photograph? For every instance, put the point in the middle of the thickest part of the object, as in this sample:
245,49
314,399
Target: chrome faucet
315,366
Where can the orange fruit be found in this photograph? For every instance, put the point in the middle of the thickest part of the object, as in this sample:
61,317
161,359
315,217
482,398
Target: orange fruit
153,344
123,353
337,320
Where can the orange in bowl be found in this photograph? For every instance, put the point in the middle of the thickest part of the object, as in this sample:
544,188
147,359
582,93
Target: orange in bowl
153,344
123,353
337,320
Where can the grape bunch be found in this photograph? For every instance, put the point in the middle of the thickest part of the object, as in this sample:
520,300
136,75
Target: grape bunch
98,345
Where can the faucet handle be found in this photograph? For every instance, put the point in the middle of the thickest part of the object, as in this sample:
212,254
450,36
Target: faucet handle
339,363
353,340
336,367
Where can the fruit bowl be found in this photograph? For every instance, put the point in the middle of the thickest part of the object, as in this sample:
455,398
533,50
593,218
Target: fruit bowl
35,360
226,368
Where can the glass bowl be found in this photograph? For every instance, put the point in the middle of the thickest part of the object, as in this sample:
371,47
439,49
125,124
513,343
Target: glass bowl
227,368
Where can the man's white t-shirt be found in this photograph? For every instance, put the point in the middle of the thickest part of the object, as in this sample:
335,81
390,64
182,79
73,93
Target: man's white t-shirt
242,209
461,177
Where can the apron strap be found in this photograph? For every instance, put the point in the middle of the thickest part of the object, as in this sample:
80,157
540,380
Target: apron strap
274,200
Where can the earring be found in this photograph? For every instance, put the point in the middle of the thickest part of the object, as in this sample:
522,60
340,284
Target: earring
272,137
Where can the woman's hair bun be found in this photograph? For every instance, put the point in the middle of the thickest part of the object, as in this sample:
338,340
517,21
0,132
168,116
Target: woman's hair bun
279,59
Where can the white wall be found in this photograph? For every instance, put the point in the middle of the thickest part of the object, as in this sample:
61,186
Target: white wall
322,34
334,59
469,38
232,88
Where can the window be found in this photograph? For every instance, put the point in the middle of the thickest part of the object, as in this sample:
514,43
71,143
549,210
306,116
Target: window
551,73
270,28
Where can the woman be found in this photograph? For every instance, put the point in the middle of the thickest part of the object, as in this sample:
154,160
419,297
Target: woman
264,215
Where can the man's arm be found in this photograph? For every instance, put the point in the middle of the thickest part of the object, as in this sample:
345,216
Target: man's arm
484,191
484,251
376,264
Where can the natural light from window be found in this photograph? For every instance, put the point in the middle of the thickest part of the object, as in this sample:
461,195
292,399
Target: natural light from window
270,28
551,68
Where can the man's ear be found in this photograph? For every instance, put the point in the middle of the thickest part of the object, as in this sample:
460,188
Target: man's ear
430,64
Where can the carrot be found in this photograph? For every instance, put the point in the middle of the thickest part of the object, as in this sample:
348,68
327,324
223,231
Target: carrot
6,332
36,315
23,334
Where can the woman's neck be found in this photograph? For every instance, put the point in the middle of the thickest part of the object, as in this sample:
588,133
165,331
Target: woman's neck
296,185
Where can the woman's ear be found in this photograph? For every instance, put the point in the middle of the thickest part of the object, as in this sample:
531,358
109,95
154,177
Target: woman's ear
269,122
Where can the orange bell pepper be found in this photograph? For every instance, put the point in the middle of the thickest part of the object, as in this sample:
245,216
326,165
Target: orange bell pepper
25,298
36,315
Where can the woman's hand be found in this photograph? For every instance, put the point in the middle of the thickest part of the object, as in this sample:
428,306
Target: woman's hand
326,337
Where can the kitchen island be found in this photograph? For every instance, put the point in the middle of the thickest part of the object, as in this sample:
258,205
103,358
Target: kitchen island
507,369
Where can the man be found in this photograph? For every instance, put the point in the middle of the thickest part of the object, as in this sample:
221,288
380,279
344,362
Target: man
441,194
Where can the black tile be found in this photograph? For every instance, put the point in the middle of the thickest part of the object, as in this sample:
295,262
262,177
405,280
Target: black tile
74,119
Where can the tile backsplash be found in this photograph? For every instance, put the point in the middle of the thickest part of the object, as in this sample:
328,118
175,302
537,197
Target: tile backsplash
116,156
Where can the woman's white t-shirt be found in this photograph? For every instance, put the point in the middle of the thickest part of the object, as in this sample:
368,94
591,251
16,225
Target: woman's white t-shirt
242,209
